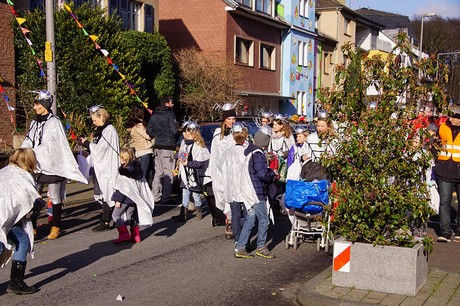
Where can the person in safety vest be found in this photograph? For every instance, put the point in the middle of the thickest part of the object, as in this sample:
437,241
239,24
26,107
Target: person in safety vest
447,171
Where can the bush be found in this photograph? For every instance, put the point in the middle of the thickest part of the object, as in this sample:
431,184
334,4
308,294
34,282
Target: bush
380,174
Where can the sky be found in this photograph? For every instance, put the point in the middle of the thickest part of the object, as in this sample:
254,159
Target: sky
410,8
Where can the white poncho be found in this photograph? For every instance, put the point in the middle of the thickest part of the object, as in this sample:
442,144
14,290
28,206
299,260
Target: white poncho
140,193
199,154
52,150
218,146
18,193
105,159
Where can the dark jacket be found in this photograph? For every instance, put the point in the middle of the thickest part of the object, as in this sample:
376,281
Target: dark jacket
261,175
448,170
163,127
132,170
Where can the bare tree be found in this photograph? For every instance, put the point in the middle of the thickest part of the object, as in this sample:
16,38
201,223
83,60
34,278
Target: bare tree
204,82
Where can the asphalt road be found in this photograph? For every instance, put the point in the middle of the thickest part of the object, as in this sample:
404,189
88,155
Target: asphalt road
175,264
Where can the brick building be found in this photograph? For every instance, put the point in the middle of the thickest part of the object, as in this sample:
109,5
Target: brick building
243,32
7,75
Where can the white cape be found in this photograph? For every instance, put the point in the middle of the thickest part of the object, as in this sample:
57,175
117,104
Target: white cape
140,193
199,154
105,159
17,190
218,146
53,153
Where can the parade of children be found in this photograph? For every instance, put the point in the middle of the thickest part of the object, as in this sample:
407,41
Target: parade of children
235,183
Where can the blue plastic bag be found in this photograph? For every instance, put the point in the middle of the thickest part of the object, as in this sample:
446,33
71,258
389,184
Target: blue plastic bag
299,194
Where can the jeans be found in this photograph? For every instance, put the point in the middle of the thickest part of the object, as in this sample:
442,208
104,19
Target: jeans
145,164
238,212
20,238
445,193
259,210
186,198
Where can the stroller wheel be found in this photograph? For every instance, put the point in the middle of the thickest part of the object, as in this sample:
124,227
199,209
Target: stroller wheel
318,244
296,242
286,242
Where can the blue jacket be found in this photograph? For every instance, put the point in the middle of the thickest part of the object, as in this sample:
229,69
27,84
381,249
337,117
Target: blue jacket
261,175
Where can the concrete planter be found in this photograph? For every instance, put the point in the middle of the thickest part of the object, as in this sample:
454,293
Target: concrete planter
386,269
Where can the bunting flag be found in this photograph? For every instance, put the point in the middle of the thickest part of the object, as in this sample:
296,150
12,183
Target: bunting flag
105,53
8,106
20,20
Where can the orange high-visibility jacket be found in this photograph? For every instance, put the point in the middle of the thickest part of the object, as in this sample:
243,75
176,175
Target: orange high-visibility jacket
451,147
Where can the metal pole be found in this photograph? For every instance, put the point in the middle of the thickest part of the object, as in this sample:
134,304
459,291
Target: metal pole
421,42
51,65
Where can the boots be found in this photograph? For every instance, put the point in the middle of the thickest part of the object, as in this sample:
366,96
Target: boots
55,232
135,235
182,217
17,285
198,213
123,234
56,222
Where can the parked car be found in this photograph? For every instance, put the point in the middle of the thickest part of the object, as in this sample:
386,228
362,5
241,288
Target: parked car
207,129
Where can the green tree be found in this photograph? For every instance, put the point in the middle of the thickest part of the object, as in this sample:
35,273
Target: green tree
85,76
378,167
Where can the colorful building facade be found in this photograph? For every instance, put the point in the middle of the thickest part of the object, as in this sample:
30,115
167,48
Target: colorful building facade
298,58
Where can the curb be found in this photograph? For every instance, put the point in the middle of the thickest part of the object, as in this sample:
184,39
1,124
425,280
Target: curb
307,296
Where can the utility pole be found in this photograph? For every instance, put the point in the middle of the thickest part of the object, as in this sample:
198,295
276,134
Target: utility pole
49,52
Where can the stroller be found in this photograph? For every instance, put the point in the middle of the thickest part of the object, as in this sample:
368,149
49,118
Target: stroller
306,201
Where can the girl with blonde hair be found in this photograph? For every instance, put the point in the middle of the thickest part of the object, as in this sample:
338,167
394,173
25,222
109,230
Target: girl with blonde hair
193,162
19,203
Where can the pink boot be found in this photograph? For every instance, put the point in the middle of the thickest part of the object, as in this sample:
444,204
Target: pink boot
135,235
123,234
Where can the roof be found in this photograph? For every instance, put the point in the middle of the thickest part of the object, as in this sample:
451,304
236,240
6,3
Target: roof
325,5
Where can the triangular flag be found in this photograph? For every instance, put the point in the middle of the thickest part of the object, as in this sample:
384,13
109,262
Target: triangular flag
105,52
115,67
109,61
97,46
121,75
20,20
84,31
73,136
13,11
29,42
33,51
1,87
6,99
132,91
129,85
81,26
145,104
10,2
10,108
65,6
93,37
42,73
24,30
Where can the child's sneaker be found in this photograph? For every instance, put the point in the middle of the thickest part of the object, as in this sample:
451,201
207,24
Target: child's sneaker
265,253
243,254
457,236
444,238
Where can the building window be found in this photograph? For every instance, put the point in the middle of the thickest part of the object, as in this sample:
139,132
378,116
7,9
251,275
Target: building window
303,54
245,2
301,102
346,26
267,57
128,12
264,6
149,18
303,8
244,52
327,63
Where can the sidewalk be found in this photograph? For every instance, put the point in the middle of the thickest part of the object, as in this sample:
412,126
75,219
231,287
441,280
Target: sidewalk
442,286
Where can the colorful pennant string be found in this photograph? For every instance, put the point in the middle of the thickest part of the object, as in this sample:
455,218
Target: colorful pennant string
8,106
20,20
105,53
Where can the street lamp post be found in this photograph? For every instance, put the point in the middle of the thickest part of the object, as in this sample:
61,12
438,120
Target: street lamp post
421,34
49,52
